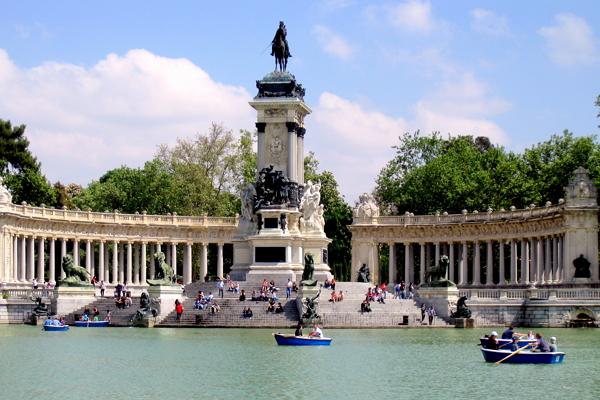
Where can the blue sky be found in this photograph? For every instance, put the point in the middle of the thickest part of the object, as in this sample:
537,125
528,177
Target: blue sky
101,85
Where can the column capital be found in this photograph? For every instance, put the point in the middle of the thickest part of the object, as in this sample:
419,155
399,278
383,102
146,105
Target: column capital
291,126
301,132
260,127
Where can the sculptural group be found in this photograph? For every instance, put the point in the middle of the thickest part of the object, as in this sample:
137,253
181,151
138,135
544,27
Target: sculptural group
74,274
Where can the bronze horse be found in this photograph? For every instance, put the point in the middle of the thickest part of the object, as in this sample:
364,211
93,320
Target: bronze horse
281,52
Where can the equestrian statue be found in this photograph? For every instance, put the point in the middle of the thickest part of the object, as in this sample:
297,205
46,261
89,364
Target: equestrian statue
280,48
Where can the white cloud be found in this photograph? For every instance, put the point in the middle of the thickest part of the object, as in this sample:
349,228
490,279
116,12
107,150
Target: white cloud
83,121
355,142
412,16
570,41
332,43
489,23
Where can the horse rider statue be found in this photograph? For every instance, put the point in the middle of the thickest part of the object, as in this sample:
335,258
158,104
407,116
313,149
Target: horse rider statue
280,48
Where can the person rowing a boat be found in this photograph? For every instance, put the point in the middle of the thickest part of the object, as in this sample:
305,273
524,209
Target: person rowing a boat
317,332
542,345
510,332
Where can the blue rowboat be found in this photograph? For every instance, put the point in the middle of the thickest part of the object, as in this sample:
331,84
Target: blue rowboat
291,340
91,324
505,343
523,357
56,328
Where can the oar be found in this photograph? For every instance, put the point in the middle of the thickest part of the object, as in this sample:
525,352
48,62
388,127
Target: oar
512,354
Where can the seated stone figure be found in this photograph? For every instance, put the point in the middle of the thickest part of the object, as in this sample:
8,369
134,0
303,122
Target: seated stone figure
363,274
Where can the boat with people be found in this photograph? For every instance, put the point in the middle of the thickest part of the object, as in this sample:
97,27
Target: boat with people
293,340
522,356
91,324
54,325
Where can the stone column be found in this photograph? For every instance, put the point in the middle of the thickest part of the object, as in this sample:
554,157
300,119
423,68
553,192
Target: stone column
537,258
63,253
136,264
174,257
392,263
524,262
121,268
513,262
554,273
220,261
76,259
23,259
422,265
501,272
129,272
52,266
547,272
93,270
31,258
16,276
407,263
106,263
437,254
88,256
288,253
300,154
40,261
187,271
489,276
260,128
101,266
115,263
477,264
169,257
462,265
143,264
203,261
152,265
451,269
292,151
560,268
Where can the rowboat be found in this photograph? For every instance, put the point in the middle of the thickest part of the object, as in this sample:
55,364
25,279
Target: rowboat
91,324
523,357
504,343
56,328
292,340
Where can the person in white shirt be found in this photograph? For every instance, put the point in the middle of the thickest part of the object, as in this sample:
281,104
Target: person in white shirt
317,332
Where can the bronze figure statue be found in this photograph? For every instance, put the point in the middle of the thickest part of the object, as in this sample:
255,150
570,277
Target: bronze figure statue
74,274
280,48
309,270
311,308
462,311
364,274
163,271
582,267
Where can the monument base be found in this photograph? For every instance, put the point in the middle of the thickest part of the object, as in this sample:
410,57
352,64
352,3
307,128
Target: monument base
463,322
70,298
441,298
307,292
165,296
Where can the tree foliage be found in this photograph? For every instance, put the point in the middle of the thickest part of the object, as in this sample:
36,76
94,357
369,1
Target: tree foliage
432,174
338,216
20,169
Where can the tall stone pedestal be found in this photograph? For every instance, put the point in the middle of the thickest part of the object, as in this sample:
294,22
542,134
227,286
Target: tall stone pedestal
166,296
68,299
441,298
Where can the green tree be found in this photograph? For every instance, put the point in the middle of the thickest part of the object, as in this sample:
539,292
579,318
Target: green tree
338,215
20,169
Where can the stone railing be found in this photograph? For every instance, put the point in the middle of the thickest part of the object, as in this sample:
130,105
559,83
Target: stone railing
118,218
437,219
532,293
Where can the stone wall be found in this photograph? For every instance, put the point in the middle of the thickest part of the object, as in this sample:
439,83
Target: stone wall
15,311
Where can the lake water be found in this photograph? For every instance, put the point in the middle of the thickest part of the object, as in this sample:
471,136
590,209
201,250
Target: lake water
128,363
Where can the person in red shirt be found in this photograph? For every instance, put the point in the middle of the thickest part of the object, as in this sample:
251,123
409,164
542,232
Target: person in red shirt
178,309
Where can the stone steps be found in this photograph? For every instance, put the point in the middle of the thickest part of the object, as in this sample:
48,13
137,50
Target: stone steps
119,317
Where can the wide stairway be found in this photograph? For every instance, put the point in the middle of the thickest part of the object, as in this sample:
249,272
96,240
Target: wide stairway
230,315
119,317
393,313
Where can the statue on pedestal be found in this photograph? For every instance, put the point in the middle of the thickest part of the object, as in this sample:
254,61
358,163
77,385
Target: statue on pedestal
74,274
364,274
280,48
40,309
309,270
163,271
436,275
145,310
310,312
462,311
312,211
366,207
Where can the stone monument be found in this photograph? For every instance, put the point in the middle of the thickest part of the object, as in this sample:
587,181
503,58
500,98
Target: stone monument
162,288
438,291
281,214
365,253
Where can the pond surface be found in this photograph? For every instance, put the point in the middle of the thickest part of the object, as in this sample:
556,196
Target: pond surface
129,363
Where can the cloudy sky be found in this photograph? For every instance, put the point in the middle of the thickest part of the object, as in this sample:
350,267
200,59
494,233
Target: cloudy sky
101,85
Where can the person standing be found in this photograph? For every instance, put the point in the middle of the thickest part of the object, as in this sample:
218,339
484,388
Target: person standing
423,310
288,289
178,309
431,314
102,288
221,286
